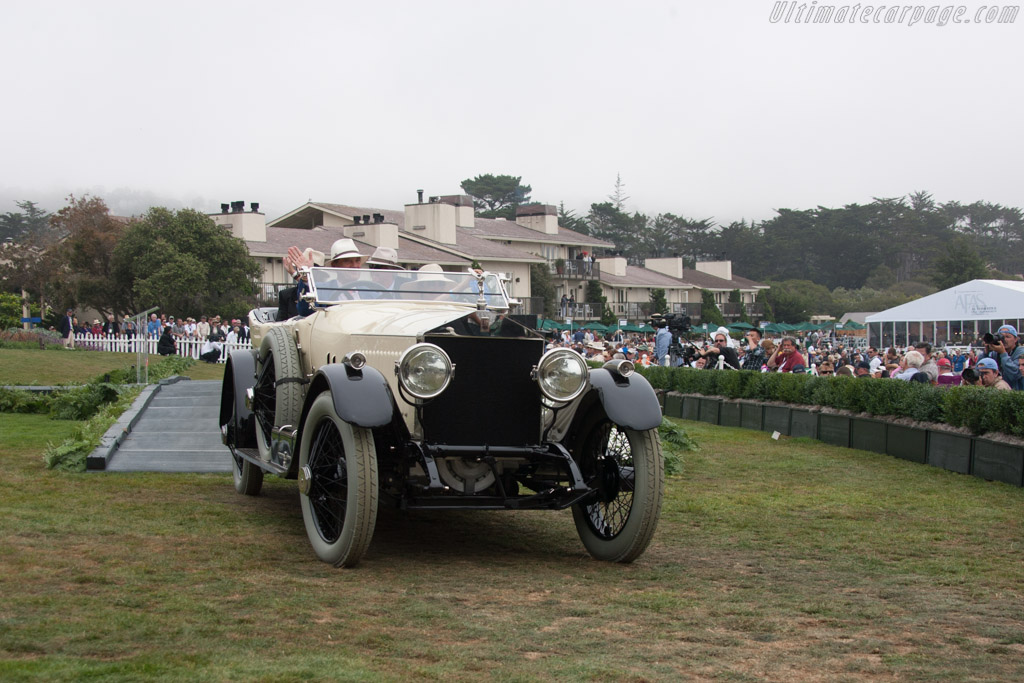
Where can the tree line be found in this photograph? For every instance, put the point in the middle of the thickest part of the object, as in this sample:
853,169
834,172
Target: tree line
81,255
859,257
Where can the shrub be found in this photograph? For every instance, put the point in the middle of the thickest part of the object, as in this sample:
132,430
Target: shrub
674,441
20,401
81,403
978,409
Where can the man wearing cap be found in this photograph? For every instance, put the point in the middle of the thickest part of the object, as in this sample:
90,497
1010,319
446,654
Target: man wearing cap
1006,352
862,369
946,376
989,372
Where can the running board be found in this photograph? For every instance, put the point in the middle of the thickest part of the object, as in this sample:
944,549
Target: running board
253,455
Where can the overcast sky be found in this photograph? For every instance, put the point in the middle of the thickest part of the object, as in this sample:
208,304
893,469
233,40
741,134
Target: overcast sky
706,109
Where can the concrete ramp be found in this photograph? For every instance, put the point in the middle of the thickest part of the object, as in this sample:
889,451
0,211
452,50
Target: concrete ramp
176,430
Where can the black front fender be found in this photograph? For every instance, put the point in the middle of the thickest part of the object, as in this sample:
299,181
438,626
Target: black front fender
361,397
628,402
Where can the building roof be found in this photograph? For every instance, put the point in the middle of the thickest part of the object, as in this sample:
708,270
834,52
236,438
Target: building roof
637,276
471,241
492,228
321,238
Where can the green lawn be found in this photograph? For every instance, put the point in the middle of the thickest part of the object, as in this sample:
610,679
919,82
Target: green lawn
774,560
61,366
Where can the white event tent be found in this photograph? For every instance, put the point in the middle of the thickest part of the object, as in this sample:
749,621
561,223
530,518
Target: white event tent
958,315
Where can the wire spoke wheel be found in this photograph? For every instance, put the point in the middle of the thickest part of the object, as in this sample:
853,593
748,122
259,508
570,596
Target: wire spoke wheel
337,484
608,516
328,483
626,470
264,399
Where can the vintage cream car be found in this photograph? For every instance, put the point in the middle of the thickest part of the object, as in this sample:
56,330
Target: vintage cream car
419,390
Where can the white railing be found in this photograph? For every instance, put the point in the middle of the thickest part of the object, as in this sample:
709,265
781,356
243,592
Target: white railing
188,348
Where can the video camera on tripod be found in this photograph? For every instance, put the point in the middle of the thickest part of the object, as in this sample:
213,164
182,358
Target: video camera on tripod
677,324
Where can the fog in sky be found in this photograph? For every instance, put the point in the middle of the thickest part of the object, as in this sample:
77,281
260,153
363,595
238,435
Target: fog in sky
706,109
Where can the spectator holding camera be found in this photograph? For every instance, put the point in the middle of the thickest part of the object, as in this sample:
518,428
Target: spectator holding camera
989,373
1005,351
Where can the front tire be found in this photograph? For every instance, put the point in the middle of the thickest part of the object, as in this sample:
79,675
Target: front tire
337,484
627,469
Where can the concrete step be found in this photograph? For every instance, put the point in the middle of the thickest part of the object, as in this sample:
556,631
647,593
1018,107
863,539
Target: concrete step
176,432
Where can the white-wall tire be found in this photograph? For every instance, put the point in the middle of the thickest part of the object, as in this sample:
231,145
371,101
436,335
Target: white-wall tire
338,484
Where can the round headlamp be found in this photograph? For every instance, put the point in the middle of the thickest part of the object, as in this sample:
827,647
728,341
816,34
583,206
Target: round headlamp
425,370
562,374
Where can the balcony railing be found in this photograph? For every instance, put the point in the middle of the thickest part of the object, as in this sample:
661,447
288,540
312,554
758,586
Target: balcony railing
573,269
579,311
733,310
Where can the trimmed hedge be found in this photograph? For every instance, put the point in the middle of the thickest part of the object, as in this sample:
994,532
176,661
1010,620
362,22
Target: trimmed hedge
978,409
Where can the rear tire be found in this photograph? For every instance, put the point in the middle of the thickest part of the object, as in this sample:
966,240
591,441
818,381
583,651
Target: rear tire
277,396
338,489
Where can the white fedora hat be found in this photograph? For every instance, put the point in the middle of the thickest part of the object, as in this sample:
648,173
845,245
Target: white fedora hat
344,248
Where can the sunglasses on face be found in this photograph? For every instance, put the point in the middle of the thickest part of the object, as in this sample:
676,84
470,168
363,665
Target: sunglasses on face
826,372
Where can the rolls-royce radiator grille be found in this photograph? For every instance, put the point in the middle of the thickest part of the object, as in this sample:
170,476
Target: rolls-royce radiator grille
491,399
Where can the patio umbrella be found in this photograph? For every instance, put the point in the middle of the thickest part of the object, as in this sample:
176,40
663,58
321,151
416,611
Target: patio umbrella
741,326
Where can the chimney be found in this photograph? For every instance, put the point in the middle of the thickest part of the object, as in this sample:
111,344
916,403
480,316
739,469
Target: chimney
722,269
540,217
613,266
419,196
249,226
377,234
673,267
255,206
439,217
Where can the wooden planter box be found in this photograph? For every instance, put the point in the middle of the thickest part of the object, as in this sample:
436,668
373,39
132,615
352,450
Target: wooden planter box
691,408
751,415
709,408
803,423
673,404
867,434
834,429
776,419
907,443
730,414
949,451
998,461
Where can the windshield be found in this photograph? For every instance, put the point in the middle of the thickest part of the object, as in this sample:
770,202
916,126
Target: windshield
333,285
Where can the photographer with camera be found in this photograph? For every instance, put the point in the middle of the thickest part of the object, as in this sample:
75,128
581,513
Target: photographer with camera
720,350
1004,348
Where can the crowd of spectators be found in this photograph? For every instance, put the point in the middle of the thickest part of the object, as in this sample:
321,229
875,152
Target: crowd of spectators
168,330
996,361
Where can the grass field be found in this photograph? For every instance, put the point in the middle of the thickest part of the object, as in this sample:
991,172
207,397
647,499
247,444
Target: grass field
774,560
61,366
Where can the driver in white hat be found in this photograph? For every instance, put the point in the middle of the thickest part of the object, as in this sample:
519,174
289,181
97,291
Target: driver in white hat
344,254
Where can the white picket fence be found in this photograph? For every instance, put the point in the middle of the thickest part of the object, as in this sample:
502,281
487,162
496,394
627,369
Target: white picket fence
188,348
